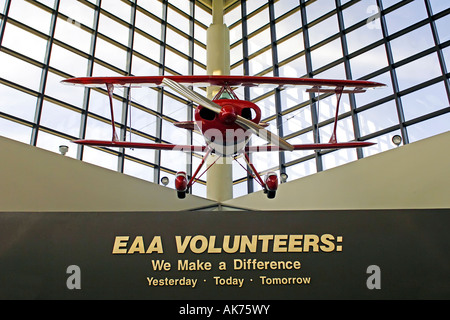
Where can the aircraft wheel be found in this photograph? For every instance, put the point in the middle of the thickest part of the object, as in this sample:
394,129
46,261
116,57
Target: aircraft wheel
181,184
271,184
271,194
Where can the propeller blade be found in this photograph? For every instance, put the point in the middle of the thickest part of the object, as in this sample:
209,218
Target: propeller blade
192,95
264,134
244,123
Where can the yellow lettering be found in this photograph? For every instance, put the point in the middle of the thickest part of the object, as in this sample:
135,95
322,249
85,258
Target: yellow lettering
311,240
119,243
203,244
328,245
279,244
137,246
155,245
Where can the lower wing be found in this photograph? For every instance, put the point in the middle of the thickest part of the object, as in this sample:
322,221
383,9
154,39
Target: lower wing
312,146
191,148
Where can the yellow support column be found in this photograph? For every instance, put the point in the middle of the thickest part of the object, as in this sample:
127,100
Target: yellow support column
219,185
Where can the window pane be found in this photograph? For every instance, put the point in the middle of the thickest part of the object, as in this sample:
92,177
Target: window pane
60,119
147,24
315,9
301,170
69,32
111,54
17,103
289,24
405,16
30,15
362,37
113,30
326,54
27,41
361,10
378,118
412,43
295,68
418,71
77,12
439,5
73,95
13,70
138,170
429,128
51,143
443,30
68,62
425,101
323,30
14,130
100,158
297,120
368,62
382,143
290,47
258,41
257,21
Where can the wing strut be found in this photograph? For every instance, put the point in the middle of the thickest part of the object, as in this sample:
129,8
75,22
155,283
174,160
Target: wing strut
338,91
110,88
193,178
252,167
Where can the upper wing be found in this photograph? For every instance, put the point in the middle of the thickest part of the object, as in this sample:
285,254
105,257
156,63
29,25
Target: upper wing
205,81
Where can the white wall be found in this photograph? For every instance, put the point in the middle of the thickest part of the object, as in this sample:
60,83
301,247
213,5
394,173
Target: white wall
33,179
412,176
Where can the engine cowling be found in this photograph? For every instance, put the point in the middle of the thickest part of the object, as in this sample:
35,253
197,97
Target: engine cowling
227,114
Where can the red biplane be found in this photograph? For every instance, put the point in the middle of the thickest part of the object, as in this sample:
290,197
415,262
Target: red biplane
226,122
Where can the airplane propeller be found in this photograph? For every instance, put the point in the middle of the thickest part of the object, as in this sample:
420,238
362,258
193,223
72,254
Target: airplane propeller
241,121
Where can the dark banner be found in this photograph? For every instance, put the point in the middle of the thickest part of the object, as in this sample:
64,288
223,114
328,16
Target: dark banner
392,254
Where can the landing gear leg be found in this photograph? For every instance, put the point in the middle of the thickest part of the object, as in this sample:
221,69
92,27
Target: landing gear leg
270,183
181,183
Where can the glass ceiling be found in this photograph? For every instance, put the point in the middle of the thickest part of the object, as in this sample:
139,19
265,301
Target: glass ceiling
404,44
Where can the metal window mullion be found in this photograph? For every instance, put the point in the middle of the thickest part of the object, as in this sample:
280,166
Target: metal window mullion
246,72
161,90
44,76
438,48
276,73
348,75
190,105
393,73
309,70
5,19
89,73
126,108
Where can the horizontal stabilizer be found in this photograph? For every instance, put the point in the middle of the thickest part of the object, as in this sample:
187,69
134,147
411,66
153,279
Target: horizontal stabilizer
188,125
